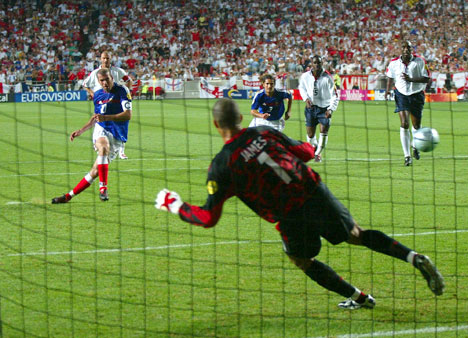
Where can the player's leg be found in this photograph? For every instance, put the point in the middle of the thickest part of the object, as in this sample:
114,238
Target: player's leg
301,242
326,277
101,166
403,107
311,125
122,152
417,105
324,127
380,242
82,185
405,137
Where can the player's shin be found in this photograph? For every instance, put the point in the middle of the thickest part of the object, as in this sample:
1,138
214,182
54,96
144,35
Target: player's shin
326,277
103,170
405,141
322,143
380,242
82,185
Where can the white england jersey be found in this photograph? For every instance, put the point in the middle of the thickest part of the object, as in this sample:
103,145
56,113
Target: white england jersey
119,75
320,91
415,68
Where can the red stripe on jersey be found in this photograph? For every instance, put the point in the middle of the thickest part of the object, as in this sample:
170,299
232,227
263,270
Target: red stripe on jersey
304,151
199,216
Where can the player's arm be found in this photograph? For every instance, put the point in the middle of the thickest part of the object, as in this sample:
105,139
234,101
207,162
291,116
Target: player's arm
80,131
126,78
389,86
303,91
303,150
129,82
390,79
87,86
424,77
256,113
417,79
287,114
254,109
90,93
334,98
126,115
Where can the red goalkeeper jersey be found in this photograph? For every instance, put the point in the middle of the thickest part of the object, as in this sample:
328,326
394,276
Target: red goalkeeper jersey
262,167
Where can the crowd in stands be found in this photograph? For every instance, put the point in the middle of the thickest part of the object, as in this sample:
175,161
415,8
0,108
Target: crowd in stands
50,40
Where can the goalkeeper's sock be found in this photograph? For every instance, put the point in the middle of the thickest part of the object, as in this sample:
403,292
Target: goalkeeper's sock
325,276
405,141
82,185
380,242
103,170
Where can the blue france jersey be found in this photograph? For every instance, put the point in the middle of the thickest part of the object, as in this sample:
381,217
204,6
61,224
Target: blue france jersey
112,103
273,105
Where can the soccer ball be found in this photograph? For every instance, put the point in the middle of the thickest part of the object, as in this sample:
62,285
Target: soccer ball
426,139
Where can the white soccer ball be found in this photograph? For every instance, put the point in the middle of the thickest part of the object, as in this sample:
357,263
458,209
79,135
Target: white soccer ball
426,139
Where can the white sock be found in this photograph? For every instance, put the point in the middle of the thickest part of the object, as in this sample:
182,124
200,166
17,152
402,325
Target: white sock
322,143
356,294
102,160
413,130
312,140
410,257
405,141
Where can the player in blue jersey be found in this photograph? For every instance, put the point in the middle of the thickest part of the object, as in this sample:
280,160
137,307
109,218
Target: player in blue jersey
112,113
268,105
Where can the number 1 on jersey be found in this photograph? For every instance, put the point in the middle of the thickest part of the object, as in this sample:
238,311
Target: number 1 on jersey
265,158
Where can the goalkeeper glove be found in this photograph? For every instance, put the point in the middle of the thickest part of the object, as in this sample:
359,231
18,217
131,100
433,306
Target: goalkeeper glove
168,201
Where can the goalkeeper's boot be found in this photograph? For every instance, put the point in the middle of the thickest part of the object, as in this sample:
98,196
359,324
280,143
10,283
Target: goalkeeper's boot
61,199
434,279
416,154
349,304
103,194
408,161
318,158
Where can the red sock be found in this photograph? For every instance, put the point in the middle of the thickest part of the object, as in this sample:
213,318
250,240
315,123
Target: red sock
82,185
103,170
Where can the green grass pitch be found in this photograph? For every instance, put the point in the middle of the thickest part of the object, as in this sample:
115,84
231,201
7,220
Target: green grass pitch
124,269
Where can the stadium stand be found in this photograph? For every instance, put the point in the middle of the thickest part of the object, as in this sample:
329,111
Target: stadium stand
61,41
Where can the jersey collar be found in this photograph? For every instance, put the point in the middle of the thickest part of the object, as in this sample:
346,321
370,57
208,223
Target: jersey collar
235,137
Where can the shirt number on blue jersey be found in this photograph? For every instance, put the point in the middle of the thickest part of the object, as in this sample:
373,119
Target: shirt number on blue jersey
103,108
265,158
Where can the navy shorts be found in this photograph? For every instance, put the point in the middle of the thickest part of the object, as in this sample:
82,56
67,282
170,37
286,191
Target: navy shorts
411,103
321,216
315,115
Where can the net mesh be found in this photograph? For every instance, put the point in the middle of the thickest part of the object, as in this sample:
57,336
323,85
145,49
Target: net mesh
88,268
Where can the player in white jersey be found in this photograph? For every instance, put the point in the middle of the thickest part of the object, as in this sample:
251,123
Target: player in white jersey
410,74
318,90
120,76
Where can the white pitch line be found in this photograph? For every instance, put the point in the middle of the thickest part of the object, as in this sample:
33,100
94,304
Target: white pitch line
403,332
128,160
189,245
201,159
